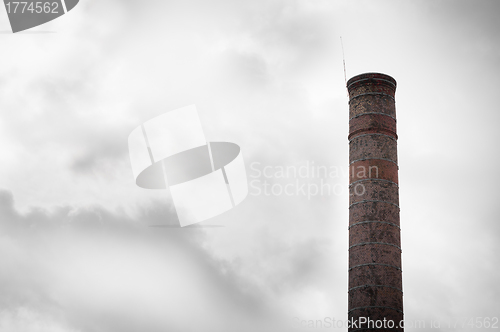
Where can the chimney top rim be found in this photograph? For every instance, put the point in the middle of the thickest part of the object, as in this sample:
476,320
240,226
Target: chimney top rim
383,78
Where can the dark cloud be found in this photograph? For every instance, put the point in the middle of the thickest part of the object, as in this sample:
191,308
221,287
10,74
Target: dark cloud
63,264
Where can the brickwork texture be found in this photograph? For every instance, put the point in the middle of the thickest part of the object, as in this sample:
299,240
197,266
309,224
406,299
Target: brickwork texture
375,276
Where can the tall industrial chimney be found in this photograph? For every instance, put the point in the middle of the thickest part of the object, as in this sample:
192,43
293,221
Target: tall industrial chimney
375,276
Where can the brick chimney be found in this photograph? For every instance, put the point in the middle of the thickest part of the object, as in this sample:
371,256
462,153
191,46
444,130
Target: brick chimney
375,276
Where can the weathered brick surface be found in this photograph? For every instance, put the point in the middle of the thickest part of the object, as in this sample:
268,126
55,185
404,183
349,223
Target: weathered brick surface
373,211
376,296
360,88
372,104
374,233
375,275
373,146
373,169
374,253
372,123
374,190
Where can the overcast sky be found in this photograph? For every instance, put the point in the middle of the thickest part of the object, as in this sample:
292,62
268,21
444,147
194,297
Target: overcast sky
76,250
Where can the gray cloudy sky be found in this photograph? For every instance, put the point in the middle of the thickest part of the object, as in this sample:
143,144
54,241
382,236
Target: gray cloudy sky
76,252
